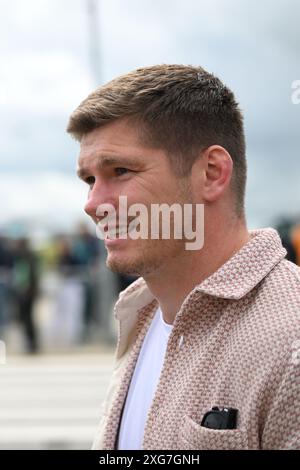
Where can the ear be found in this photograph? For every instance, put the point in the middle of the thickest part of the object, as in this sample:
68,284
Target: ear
217,169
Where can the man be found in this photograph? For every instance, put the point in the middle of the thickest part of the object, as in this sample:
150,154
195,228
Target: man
213,327
25,286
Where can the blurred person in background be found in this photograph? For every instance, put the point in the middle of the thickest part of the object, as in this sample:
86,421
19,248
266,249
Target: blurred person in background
25,287
87,251
295,237
285,229
6,266
67,317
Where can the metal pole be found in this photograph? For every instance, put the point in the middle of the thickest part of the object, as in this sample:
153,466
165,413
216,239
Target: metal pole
94,39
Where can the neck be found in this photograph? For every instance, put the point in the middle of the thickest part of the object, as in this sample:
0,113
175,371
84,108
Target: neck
171,285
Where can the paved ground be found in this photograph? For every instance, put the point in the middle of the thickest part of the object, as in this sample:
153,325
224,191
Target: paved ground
52,401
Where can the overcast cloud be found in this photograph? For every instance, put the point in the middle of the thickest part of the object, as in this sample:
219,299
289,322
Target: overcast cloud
46,71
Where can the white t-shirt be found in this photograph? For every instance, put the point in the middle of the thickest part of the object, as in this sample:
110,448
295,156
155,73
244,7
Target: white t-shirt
143,384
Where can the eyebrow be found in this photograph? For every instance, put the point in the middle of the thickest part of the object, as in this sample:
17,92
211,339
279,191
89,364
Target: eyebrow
107,161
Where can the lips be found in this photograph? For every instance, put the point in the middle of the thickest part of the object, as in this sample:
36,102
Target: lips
113,232
116,232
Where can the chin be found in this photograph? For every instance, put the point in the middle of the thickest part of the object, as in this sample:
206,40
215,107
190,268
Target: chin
118,264
135,266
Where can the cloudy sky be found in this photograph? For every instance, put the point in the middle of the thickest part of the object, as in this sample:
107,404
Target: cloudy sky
47,68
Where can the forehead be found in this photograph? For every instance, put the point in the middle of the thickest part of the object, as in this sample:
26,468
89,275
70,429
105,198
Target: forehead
113,143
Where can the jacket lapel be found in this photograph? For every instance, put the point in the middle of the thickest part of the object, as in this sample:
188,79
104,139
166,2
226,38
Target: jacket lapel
145,316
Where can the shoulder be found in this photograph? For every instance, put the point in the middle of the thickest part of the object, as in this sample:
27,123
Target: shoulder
290,270
273,312
282,286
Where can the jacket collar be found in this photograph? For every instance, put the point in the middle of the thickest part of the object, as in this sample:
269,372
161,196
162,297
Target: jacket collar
233,280
247,268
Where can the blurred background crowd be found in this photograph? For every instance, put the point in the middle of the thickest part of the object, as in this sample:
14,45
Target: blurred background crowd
56,293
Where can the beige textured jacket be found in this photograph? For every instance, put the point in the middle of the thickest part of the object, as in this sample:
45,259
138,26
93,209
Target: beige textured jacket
235,342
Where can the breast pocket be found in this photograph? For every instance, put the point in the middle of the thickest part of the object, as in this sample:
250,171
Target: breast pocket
192,436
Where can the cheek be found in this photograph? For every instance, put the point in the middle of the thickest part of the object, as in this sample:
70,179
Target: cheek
157,188
138,192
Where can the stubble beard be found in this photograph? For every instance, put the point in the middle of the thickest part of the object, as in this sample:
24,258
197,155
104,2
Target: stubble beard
147,258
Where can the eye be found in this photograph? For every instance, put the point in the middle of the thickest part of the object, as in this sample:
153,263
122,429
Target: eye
121,171
90,180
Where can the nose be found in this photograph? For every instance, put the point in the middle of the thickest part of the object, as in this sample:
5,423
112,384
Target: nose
99,194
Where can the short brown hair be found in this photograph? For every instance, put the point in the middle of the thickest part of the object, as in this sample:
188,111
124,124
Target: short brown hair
179,108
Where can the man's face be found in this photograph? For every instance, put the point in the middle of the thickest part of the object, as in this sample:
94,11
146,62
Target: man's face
115,163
